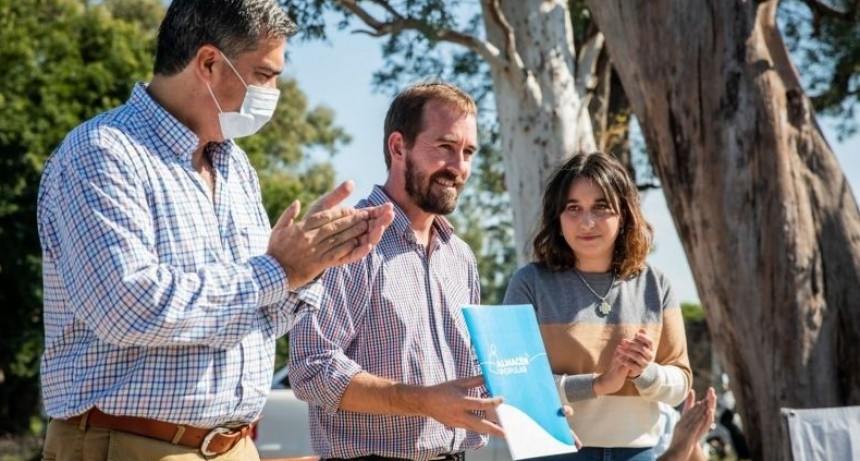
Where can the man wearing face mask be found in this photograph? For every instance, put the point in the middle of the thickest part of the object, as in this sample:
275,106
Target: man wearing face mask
165,286
386,364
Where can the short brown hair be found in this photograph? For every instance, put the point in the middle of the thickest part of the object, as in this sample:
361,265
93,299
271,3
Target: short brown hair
406,113
634,238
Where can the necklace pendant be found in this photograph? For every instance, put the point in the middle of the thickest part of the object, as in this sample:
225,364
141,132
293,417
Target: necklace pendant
605,308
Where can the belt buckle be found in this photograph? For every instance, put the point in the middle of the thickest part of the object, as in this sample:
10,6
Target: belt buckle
204,446
458,456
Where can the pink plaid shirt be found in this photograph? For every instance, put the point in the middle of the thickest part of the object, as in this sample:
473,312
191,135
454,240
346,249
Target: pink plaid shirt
395,314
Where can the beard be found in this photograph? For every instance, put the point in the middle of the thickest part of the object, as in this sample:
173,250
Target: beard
419,187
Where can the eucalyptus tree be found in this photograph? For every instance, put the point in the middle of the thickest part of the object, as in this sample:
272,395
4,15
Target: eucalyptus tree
769,224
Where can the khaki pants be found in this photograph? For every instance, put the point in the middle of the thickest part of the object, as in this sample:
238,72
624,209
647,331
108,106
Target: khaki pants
66,442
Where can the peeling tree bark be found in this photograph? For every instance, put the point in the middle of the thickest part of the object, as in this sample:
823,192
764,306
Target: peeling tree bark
768,222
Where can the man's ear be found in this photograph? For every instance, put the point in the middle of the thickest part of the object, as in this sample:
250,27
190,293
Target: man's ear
204,62
396,146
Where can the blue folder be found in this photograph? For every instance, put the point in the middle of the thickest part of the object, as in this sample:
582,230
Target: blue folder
515,366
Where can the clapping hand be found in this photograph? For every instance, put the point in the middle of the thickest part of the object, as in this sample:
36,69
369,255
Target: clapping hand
612,380
696,420
328,235
636,353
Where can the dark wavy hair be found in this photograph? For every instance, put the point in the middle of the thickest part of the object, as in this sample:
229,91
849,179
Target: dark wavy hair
634,237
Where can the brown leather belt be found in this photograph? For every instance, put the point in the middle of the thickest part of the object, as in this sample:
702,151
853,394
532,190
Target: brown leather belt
210,441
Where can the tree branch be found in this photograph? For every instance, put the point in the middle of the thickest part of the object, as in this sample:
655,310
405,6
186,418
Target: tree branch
399,23
363,14
495,11
586,66
822,9
647,186
387,6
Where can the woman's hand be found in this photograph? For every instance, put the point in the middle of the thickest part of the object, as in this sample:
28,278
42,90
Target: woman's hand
613,379
636,353
567,411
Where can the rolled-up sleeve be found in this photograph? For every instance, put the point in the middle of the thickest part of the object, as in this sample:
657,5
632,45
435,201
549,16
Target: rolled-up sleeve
283,316
320,370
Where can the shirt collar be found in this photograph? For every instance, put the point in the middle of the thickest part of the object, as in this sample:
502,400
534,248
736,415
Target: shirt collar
441,226
178,138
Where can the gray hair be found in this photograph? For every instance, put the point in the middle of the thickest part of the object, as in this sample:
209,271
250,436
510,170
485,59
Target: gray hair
232,26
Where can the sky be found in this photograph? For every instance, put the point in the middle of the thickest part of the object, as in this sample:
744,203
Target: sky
338,74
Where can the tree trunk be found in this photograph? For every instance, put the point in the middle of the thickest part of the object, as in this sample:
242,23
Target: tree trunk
541,117
768,222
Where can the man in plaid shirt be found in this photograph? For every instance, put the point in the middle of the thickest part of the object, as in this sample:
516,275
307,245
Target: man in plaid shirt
386,364
165,286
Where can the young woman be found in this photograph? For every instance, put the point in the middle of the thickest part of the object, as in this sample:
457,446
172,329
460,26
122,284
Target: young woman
610,322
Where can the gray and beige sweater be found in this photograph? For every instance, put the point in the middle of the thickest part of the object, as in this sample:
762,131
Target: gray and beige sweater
580,342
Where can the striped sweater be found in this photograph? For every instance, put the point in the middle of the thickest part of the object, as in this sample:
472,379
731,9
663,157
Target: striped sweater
580,341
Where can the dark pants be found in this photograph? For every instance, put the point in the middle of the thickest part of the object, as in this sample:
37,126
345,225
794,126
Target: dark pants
461,456
607,454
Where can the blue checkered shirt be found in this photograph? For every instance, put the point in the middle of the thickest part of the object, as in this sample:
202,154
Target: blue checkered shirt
158,302
395,314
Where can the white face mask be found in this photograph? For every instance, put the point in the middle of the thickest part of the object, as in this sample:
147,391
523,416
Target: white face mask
257,109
